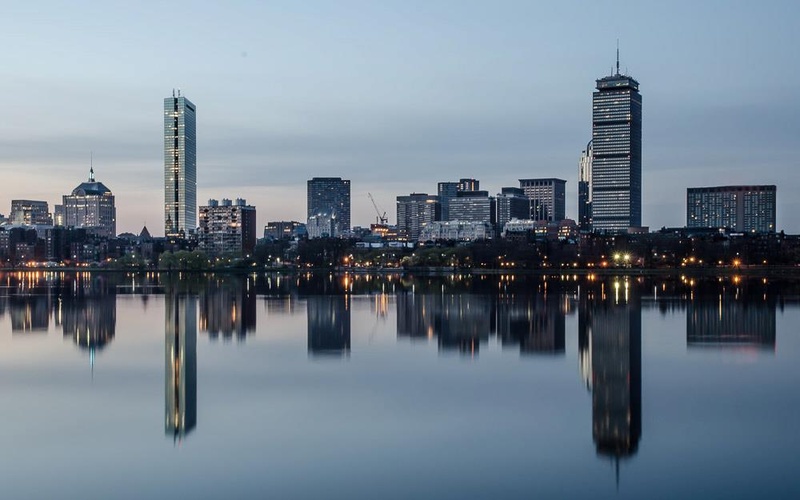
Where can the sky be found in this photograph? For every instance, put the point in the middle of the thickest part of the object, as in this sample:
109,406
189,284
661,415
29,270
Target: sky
395,96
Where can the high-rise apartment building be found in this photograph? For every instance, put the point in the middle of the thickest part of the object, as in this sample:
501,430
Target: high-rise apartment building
414,212
548,198
227,227
91,206
748,209
30,213
616,180
585,189
330,196
180,166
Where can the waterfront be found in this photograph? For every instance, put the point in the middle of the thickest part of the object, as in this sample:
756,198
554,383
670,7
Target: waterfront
358,386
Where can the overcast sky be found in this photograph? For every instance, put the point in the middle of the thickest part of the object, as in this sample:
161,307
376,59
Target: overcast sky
395,96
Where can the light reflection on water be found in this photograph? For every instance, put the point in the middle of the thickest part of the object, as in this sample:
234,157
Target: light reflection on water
333,374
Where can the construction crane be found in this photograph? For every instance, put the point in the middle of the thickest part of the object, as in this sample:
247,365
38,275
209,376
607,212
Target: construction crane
382,219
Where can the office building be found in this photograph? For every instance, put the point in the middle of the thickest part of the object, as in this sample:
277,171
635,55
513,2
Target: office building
511,204
284,230
414,212
180,166
473,206
548,198
227,228
616,180
585,189
30,213
749,209
90,206
323,225
331,196
449,190
457,231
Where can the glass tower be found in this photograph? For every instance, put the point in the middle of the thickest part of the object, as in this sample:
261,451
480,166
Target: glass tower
180,166
616,179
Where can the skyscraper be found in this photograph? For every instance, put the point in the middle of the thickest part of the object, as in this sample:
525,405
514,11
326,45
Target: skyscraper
585,189
91,206
547,197
414,212
330,196
616,180
180,166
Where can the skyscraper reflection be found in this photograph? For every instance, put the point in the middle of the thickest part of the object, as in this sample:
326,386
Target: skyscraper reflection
328,324
730,322
616,359
180,347
90,317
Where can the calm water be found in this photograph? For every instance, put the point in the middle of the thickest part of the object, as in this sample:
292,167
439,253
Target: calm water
366,387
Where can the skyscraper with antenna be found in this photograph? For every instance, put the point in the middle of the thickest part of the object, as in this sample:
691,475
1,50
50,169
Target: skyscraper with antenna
616,176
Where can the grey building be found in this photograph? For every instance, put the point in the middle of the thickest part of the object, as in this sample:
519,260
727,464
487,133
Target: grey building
616,181
30,213
180,166
91,206
748,209
473,206
414,212
330,195
279,230
585,189
511,203
227,227
547,196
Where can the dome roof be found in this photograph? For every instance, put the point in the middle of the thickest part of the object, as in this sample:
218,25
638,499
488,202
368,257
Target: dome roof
90,189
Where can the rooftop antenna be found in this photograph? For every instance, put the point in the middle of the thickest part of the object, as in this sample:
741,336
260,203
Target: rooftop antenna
617,56
173,92
91,166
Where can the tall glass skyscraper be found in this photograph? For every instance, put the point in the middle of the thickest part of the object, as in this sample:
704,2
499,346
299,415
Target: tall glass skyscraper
616,180
180,166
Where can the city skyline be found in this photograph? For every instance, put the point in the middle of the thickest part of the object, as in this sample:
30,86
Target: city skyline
383,108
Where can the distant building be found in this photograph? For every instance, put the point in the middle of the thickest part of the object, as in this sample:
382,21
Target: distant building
585,189
180,166
547,196
749,209
280,230
90,206
473,206
562,230
330,195
30,213
414,212
323,225
457,231
512,204
227,228
616,180
449,190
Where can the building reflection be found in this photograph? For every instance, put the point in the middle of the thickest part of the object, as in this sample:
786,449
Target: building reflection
585,335
614,328
29,313
180,347
730,322
533,322
459,321
328,324
88,314
228,308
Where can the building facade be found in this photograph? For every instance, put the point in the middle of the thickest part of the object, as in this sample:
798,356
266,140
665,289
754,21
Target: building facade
284,229
511,203
749,209
457,231
585,189
227,228
473,206
414,212
331,196
547,197
30,213
616,179
91,206
449,190
180,166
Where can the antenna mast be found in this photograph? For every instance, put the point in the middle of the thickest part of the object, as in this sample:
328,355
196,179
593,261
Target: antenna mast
617,56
